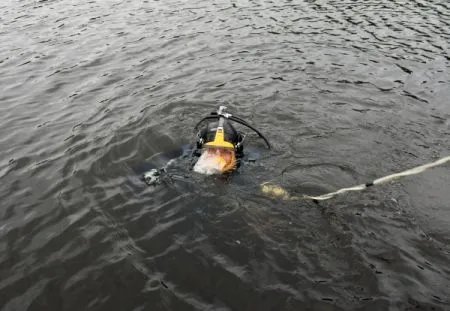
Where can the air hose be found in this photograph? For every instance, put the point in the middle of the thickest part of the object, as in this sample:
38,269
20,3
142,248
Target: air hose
220,113
277,191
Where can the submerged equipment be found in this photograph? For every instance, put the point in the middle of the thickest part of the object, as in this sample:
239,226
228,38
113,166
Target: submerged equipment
219,144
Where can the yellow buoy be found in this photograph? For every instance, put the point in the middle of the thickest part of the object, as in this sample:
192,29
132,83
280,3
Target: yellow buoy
274,190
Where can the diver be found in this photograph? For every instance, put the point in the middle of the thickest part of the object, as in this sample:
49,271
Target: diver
219,148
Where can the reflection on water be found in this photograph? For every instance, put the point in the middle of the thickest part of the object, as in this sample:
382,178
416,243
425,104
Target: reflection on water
346,92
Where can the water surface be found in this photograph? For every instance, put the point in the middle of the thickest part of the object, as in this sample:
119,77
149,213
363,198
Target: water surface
346,91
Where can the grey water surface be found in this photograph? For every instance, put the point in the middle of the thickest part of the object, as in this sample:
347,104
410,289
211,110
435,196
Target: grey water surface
346,91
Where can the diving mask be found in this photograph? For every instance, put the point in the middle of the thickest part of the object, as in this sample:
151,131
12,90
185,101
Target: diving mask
214,160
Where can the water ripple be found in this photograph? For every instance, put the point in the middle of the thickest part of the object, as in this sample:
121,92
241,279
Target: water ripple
93,93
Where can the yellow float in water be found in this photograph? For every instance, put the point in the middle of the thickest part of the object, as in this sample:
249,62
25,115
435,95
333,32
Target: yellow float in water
275,191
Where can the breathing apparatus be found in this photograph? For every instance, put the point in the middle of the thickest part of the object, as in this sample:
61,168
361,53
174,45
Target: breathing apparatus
219,144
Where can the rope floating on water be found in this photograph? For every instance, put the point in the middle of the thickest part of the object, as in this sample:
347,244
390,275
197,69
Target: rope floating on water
275,190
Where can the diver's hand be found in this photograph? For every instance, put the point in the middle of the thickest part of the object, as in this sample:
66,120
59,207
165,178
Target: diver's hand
153,177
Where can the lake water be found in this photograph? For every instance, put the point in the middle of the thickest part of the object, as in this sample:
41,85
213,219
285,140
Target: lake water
346,91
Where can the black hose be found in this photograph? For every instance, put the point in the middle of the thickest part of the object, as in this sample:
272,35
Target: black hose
240,121
204,119
235,119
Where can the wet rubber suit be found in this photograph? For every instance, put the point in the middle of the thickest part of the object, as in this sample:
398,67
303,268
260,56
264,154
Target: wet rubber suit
220,133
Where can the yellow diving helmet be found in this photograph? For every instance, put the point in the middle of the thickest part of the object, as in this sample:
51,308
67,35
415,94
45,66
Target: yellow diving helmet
219,144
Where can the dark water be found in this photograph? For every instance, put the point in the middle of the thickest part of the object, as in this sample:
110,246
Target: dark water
347,91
